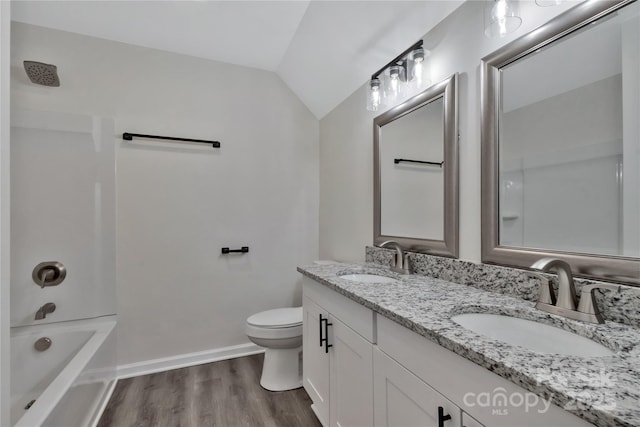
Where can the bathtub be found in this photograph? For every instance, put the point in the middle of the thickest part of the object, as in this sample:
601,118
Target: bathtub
46,376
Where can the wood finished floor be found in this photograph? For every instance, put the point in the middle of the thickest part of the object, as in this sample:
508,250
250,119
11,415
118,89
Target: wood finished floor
225,394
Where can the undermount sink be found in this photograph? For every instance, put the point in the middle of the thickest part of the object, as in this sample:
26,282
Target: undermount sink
531,335
368,278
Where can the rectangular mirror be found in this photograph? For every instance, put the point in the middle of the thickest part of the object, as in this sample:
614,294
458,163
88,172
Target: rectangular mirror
416,172
561,144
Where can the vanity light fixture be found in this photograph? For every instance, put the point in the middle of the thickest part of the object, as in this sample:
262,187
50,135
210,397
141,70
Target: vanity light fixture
404,75
501,18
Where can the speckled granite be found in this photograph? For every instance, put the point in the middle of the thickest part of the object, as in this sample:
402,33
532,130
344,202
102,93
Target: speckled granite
604,391
621,306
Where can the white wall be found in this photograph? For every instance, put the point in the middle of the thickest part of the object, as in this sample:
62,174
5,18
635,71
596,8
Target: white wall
457,44
5,226
179,204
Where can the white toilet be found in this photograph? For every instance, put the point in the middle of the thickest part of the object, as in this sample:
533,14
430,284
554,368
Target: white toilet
279,331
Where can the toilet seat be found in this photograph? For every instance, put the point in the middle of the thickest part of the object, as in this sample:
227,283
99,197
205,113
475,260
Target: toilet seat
277,318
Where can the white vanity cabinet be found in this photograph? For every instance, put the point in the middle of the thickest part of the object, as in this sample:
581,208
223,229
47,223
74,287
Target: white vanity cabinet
337,357
355,361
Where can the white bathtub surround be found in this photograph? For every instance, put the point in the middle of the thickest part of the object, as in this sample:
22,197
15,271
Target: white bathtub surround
46,376
63,207
425,306
179,204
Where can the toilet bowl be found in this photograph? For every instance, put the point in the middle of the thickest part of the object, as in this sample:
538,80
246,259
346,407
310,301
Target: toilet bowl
279,331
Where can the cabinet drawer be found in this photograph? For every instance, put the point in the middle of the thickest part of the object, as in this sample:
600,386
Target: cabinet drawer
358,317
462,381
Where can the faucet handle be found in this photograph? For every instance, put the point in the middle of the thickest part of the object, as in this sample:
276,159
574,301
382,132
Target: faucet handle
546,294
588,304
405,263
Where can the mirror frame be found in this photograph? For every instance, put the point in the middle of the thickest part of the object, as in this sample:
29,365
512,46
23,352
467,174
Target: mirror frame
603,267
448,91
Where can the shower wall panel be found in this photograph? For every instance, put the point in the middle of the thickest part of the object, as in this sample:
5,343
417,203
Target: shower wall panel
63,209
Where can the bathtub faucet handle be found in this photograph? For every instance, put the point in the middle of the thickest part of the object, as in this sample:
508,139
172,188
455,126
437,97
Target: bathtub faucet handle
46,276
50,273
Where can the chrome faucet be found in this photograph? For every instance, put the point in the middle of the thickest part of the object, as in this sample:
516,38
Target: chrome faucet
42,312
565,303
566,288
401,263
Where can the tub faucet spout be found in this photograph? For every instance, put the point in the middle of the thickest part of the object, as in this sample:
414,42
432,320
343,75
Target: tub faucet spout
42,312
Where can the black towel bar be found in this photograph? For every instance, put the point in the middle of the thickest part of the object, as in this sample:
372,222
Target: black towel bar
243,250
396,161
129,136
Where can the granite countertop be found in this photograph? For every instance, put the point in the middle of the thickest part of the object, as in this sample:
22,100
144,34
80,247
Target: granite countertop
602,390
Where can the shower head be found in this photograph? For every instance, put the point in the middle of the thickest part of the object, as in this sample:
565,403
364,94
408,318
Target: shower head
42,74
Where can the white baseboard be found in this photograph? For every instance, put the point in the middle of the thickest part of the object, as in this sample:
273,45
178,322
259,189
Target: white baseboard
185,360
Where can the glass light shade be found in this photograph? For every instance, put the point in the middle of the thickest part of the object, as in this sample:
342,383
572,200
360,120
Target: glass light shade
375,95
396,84
501,18
419,77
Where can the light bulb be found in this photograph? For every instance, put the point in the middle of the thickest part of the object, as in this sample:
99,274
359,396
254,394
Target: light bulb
374,95
396,80
394,74
418,61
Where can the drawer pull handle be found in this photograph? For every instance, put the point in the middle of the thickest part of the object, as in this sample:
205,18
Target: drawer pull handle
325,340
442,417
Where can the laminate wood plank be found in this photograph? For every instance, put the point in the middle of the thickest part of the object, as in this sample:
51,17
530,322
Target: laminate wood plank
225,394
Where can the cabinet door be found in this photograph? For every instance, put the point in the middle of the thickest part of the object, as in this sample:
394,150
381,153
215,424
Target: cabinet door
351,377
315,362
468,421
402,399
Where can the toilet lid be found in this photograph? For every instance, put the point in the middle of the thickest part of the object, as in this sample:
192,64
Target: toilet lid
278,318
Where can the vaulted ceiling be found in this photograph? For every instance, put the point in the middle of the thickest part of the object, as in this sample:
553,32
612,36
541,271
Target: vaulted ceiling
323,50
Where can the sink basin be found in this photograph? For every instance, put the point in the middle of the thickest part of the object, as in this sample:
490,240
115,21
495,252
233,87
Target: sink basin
532,335
368,278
